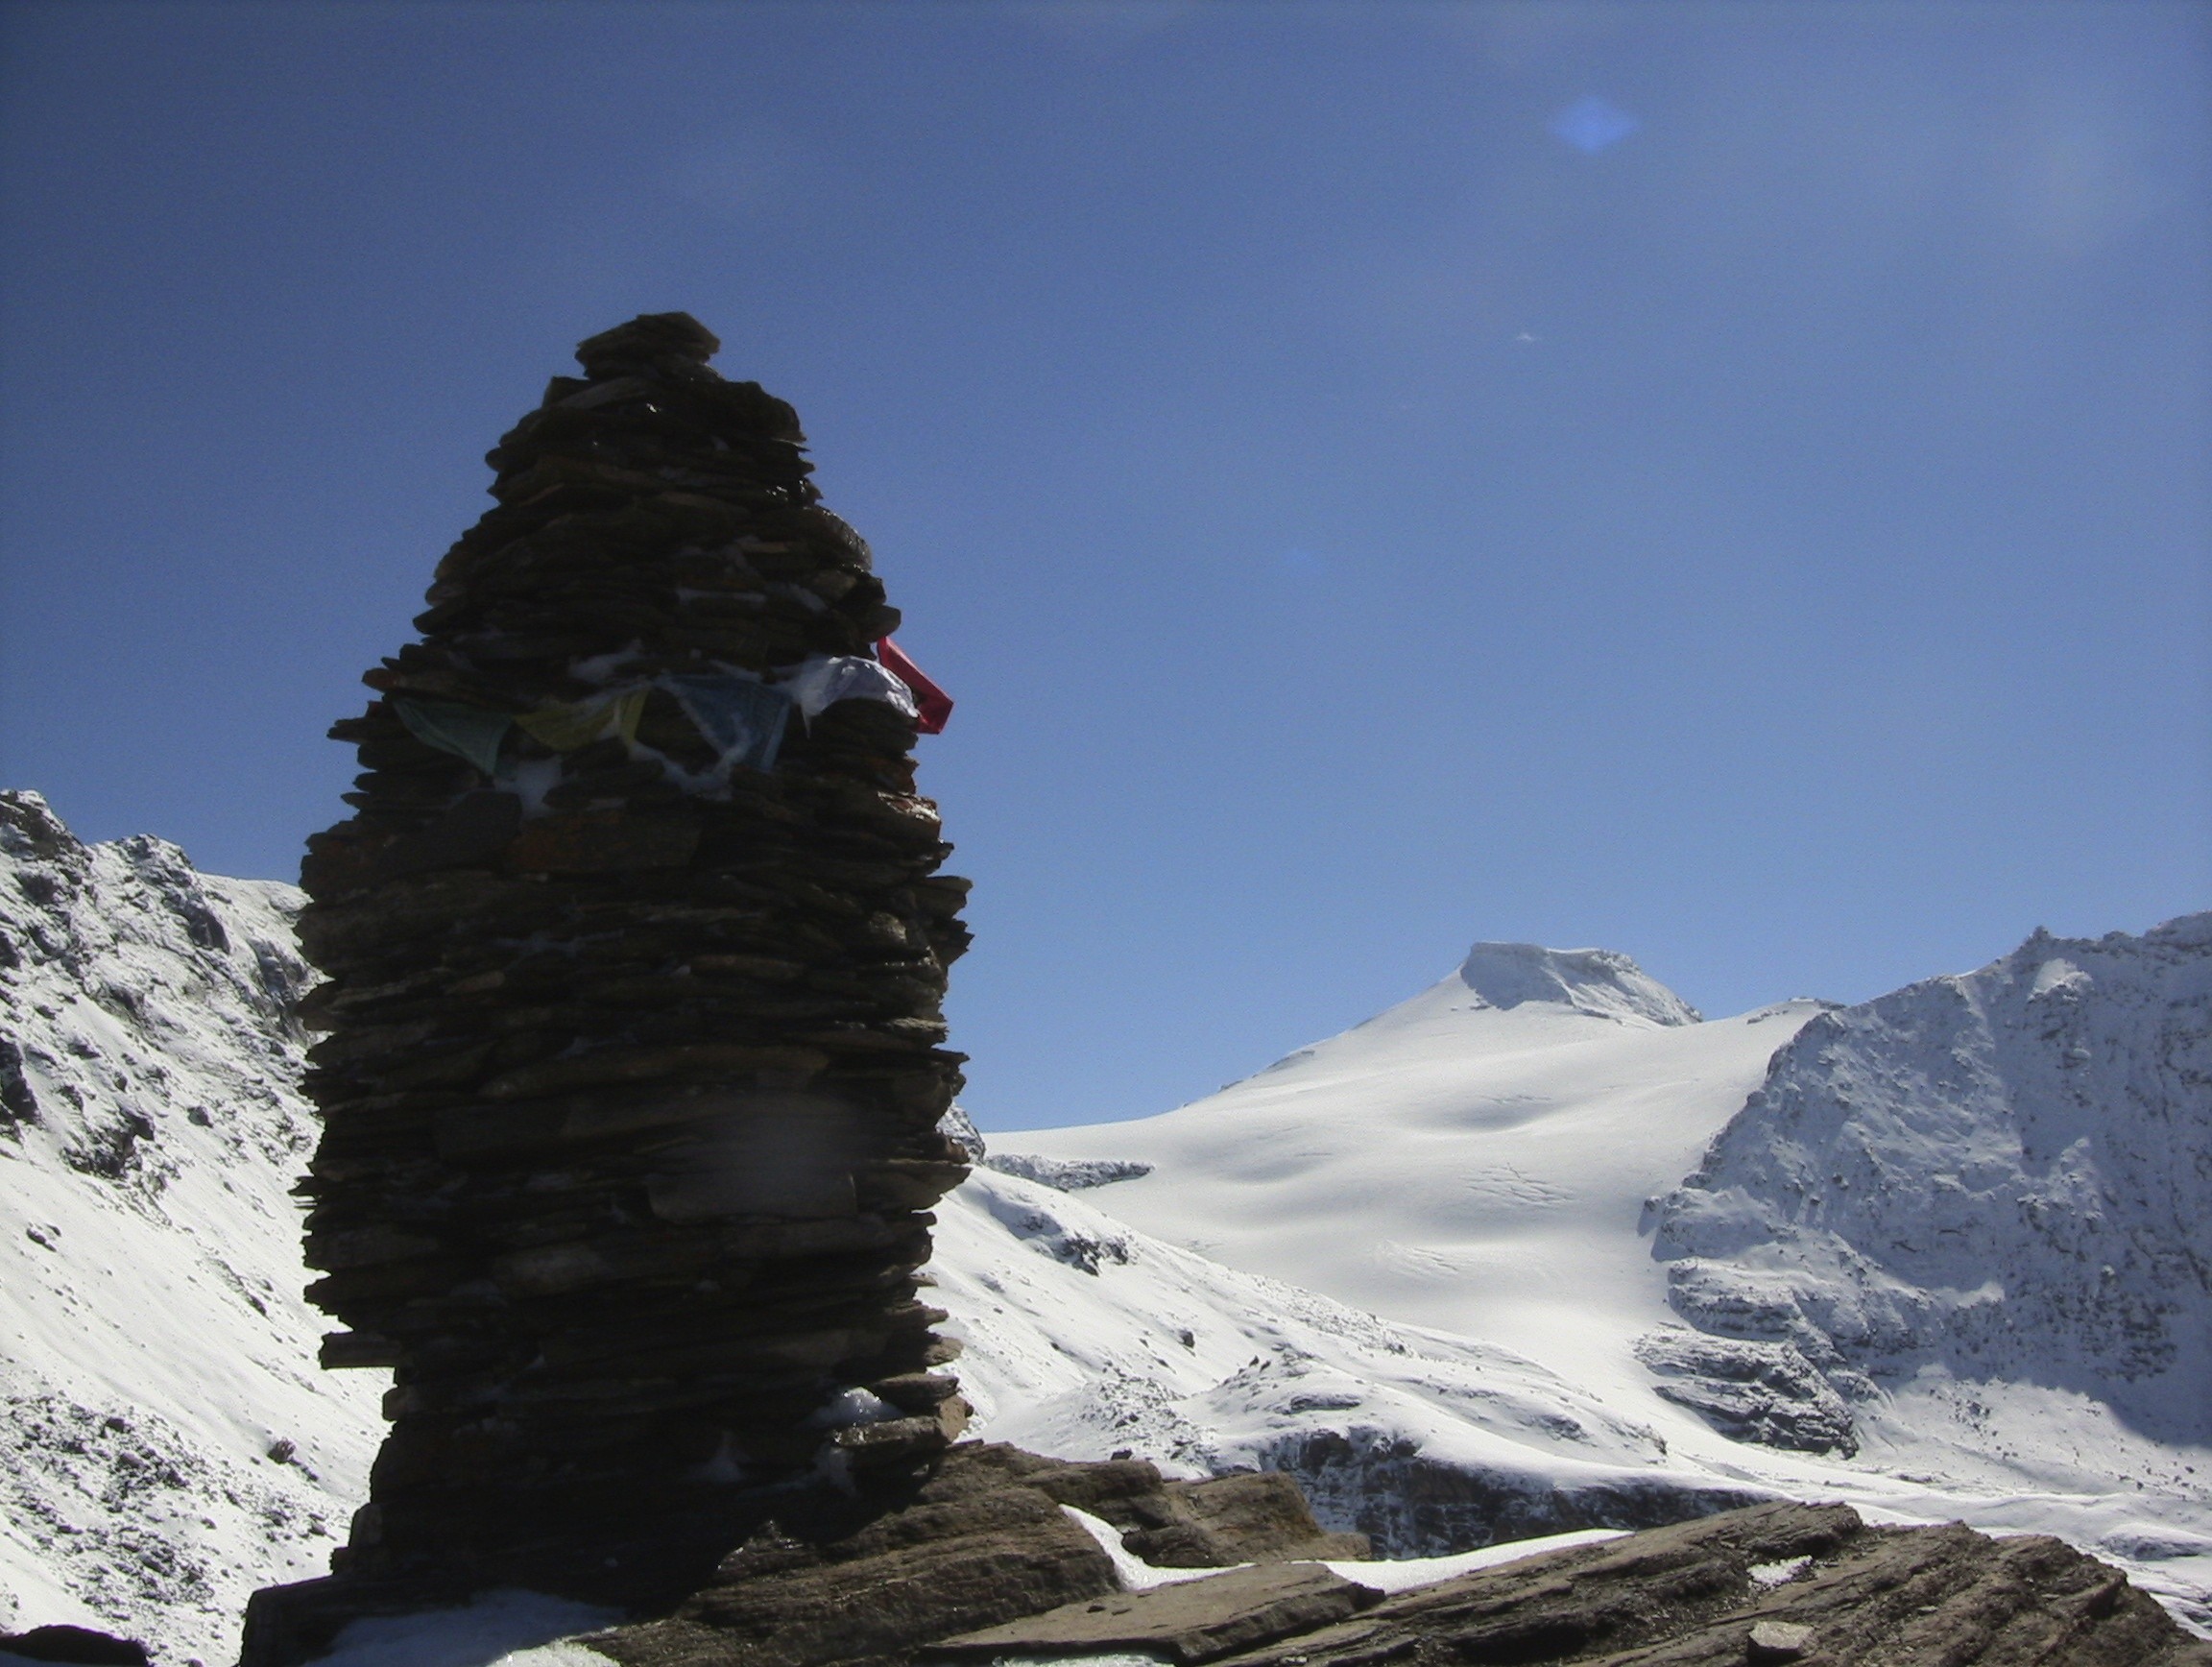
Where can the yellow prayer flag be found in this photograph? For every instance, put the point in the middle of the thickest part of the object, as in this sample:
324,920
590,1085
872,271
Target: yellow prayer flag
566,725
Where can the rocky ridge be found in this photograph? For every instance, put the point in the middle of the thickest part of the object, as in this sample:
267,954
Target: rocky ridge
2001,1177
170,1443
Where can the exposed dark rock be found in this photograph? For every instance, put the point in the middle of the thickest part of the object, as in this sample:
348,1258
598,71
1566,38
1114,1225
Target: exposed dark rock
18,1103
958,1127
1191,1622
978,1561
1069,1174
81,1645
1750,1391
1868,1597
982,1542
936,1568
1257,1516
1410,1505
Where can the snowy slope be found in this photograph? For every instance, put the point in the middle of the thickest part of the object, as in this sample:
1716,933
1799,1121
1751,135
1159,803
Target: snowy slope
172,1443
1489,1158
1475,1159
1085,1338
1472,1178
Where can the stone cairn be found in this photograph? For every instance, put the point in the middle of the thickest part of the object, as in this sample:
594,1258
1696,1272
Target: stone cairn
635,948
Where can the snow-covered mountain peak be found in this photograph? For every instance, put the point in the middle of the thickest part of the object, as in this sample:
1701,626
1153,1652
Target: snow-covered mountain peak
2003,1174
1946,1255
1503,999
1603,984
28,827
174,1444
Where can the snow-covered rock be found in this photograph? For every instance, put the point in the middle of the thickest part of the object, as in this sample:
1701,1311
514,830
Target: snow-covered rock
2004,1173
1603,984
2000,1177
958,1127
171,1444
1068,1174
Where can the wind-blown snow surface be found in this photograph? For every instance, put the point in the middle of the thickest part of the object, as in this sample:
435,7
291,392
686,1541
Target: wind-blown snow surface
1488,1159
171,1443
1475,1159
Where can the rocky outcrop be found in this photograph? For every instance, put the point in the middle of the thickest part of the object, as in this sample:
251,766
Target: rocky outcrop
984,1542
83,1646
2003,1174
635,948
169,1447
986,1561
1066,1175
1203,1621
1750,1391
1602,983
1001,1555
1771,1583
1410,1503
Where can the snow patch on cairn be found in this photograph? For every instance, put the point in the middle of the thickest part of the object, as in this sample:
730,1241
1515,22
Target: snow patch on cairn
171,1445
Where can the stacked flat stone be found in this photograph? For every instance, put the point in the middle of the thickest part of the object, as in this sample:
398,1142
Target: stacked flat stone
633,1073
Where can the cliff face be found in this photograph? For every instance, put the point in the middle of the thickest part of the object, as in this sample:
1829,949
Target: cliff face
2001,1175
170,1445
636,946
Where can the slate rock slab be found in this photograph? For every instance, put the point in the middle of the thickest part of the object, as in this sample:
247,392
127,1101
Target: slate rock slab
979,1563
1191,1621
928,1571
1683,1596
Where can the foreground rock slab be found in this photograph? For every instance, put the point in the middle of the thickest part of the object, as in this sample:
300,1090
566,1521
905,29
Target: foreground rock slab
983,1561
1697,1593
1201,1621
984,1566
983,1543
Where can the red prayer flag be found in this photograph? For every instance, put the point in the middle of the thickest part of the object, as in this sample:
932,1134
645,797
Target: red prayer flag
936,705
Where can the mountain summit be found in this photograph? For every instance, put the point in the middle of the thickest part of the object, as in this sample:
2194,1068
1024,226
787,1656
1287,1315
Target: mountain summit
1603,984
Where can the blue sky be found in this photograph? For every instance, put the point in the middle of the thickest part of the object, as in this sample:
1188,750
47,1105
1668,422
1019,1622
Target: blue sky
1727,483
